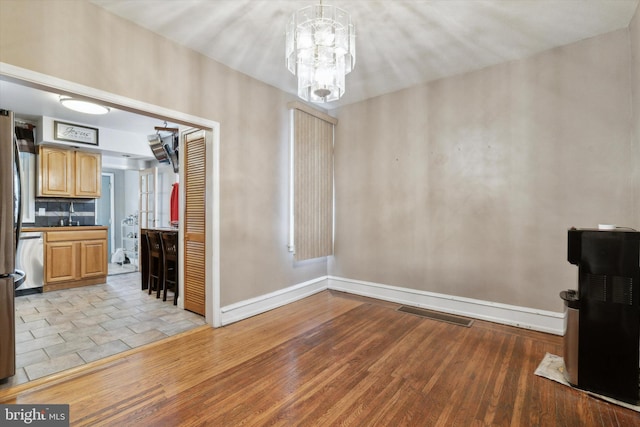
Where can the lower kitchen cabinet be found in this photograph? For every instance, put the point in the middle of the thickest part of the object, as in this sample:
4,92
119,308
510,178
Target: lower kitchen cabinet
93,258
60,260
74,258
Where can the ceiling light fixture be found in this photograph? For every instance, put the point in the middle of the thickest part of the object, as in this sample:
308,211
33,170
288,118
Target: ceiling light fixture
82,106
320,51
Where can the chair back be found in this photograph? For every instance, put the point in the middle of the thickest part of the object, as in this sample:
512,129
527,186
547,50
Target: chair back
170,245
155,246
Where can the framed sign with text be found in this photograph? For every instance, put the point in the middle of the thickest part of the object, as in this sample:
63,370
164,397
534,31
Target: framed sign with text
74,133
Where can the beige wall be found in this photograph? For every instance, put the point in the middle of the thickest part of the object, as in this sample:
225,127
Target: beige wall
79,42
634,30
480,174
467,185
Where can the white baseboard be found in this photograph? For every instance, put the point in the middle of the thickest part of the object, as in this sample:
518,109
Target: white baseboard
263,303
522,317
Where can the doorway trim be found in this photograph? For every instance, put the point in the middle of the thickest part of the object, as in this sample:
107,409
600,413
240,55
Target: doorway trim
112,210
212,141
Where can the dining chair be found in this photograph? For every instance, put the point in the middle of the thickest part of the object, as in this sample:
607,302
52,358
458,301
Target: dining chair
170,272
156,263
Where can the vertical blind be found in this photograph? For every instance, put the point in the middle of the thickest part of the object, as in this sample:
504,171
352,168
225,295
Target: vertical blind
312,183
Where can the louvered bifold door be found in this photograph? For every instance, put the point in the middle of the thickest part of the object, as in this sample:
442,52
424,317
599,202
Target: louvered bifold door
195,255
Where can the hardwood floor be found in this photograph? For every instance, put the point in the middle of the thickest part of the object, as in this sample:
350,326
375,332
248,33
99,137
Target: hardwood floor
330,359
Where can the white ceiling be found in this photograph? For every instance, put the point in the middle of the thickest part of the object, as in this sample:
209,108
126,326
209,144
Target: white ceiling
30,104
400,43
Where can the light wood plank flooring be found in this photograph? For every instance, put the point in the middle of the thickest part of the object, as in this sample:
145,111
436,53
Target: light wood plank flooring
330,359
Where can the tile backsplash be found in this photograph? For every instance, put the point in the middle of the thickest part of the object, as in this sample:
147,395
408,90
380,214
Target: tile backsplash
50,211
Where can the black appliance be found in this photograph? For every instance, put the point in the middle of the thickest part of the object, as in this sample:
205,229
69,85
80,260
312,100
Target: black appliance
608,304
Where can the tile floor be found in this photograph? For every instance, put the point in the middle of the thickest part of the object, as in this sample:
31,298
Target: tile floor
115,268
63,329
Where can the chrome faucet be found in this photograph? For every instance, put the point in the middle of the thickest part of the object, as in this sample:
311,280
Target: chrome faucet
71,211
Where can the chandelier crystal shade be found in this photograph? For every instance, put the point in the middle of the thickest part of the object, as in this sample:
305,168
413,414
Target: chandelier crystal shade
320,51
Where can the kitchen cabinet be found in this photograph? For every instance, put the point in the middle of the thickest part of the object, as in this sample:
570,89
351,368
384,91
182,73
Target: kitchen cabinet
88,174
69,173
55,172
74,257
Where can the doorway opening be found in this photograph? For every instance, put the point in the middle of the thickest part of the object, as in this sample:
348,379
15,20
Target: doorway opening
42,82
47,83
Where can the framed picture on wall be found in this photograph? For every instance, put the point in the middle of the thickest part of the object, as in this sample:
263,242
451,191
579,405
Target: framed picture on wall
74,133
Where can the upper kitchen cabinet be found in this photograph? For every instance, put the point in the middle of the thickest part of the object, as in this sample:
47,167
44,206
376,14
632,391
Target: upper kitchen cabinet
88,169
69,173
55,172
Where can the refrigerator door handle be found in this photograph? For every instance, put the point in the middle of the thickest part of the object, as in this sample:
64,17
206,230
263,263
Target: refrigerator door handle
18,196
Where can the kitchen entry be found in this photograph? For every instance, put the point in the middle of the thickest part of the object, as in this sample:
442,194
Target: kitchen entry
119,263
212,139
132,199
105,208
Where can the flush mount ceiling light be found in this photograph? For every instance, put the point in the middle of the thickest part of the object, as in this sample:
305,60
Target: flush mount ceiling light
83,106
320,51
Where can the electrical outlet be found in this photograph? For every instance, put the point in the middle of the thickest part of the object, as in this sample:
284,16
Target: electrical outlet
41,212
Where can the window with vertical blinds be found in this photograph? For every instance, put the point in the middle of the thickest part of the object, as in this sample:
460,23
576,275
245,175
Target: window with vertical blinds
311,234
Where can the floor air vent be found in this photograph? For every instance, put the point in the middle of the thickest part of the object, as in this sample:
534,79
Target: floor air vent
460,321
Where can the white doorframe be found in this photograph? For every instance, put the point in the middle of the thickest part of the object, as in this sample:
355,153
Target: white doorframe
46,82
112,211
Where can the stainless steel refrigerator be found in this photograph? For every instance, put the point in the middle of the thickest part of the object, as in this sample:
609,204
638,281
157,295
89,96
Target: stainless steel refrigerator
10,224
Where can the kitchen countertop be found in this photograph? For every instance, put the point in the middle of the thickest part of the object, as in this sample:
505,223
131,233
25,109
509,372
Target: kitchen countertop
65,228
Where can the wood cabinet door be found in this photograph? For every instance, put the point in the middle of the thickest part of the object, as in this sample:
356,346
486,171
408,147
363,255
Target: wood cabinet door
93,262
88,174
56,172
60,262
194,222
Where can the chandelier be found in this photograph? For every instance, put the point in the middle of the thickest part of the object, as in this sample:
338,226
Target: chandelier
320,50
